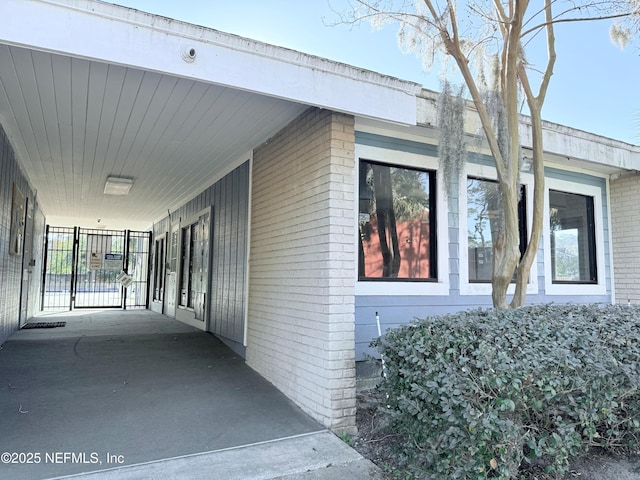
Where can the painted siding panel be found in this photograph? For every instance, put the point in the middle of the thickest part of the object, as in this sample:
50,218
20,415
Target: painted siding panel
227,251
216,274
11,266
391,143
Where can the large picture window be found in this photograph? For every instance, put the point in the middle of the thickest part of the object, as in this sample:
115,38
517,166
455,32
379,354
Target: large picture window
397,223
573,238
482,219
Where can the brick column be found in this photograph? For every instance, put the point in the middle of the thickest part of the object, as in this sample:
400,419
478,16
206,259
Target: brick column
300,331
625,228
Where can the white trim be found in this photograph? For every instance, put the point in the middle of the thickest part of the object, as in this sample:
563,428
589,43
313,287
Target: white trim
185,314
574,169
170,310
483,171
580,288
155,305
611,263
124,36
405,159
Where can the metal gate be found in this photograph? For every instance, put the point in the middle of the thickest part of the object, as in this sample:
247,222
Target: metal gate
87,268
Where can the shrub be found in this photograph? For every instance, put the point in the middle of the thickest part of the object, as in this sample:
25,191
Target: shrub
484,393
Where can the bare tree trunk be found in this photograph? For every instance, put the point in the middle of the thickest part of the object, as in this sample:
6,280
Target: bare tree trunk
507,248
524,268
535,108
506,252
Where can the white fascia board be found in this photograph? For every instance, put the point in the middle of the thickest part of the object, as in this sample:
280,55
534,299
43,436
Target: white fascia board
558,140
124,36
576,144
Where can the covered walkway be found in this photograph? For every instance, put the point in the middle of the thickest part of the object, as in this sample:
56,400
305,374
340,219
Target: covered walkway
117,389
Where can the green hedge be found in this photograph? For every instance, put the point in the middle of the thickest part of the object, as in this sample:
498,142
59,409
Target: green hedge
491,394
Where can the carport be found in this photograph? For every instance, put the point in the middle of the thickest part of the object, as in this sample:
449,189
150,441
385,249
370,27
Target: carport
138,390
193,120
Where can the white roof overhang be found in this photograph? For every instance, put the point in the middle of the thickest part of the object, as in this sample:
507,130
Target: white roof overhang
564,146
90,90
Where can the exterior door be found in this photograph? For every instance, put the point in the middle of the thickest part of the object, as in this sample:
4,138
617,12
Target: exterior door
159,270
27,264
193,270
170,272
202,263
100,257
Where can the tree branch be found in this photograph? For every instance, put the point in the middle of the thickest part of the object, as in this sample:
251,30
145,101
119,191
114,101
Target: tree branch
576,19
551,53
453,48
502,16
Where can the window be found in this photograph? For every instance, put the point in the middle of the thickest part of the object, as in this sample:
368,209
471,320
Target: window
173,253
397,223
186,264
482,218
573,238
159,270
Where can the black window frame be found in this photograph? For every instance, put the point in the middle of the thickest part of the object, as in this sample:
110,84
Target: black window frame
523,225
591,241
433,240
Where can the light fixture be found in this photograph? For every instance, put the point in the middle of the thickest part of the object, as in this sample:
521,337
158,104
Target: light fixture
117,186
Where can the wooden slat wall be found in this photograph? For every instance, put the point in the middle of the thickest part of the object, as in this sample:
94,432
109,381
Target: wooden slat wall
11,266
229,199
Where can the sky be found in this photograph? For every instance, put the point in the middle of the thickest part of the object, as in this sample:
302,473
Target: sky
595,86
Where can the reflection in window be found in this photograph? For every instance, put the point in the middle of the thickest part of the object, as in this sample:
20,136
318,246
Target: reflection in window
573,246
186,265
483,216
159,270
397,223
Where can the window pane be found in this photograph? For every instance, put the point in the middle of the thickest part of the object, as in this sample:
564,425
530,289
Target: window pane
482,198
483,203
572,238
173,260
185,262
397,228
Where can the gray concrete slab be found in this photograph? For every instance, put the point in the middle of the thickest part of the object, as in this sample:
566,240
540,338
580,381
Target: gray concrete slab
115,389
314,456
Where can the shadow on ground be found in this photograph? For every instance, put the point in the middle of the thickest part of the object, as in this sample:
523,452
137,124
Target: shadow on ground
120,388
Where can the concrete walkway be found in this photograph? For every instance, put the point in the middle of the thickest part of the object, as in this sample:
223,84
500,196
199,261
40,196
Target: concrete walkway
132,395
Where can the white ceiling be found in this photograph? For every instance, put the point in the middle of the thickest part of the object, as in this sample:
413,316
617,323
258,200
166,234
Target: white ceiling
74,122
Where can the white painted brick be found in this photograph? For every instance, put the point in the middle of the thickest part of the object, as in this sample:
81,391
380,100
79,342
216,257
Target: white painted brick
625,221
301,302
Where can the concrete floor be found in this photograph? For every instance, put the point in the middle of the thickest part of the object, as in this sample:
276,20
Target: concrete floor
120,388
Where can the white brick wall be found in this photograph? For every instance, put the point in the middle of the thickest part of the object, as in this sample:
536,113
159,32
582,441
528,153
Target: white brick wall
625,223
300,329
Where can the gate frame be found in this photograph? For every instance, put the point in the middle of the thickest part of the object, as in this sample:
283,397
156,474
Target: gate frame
76,232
